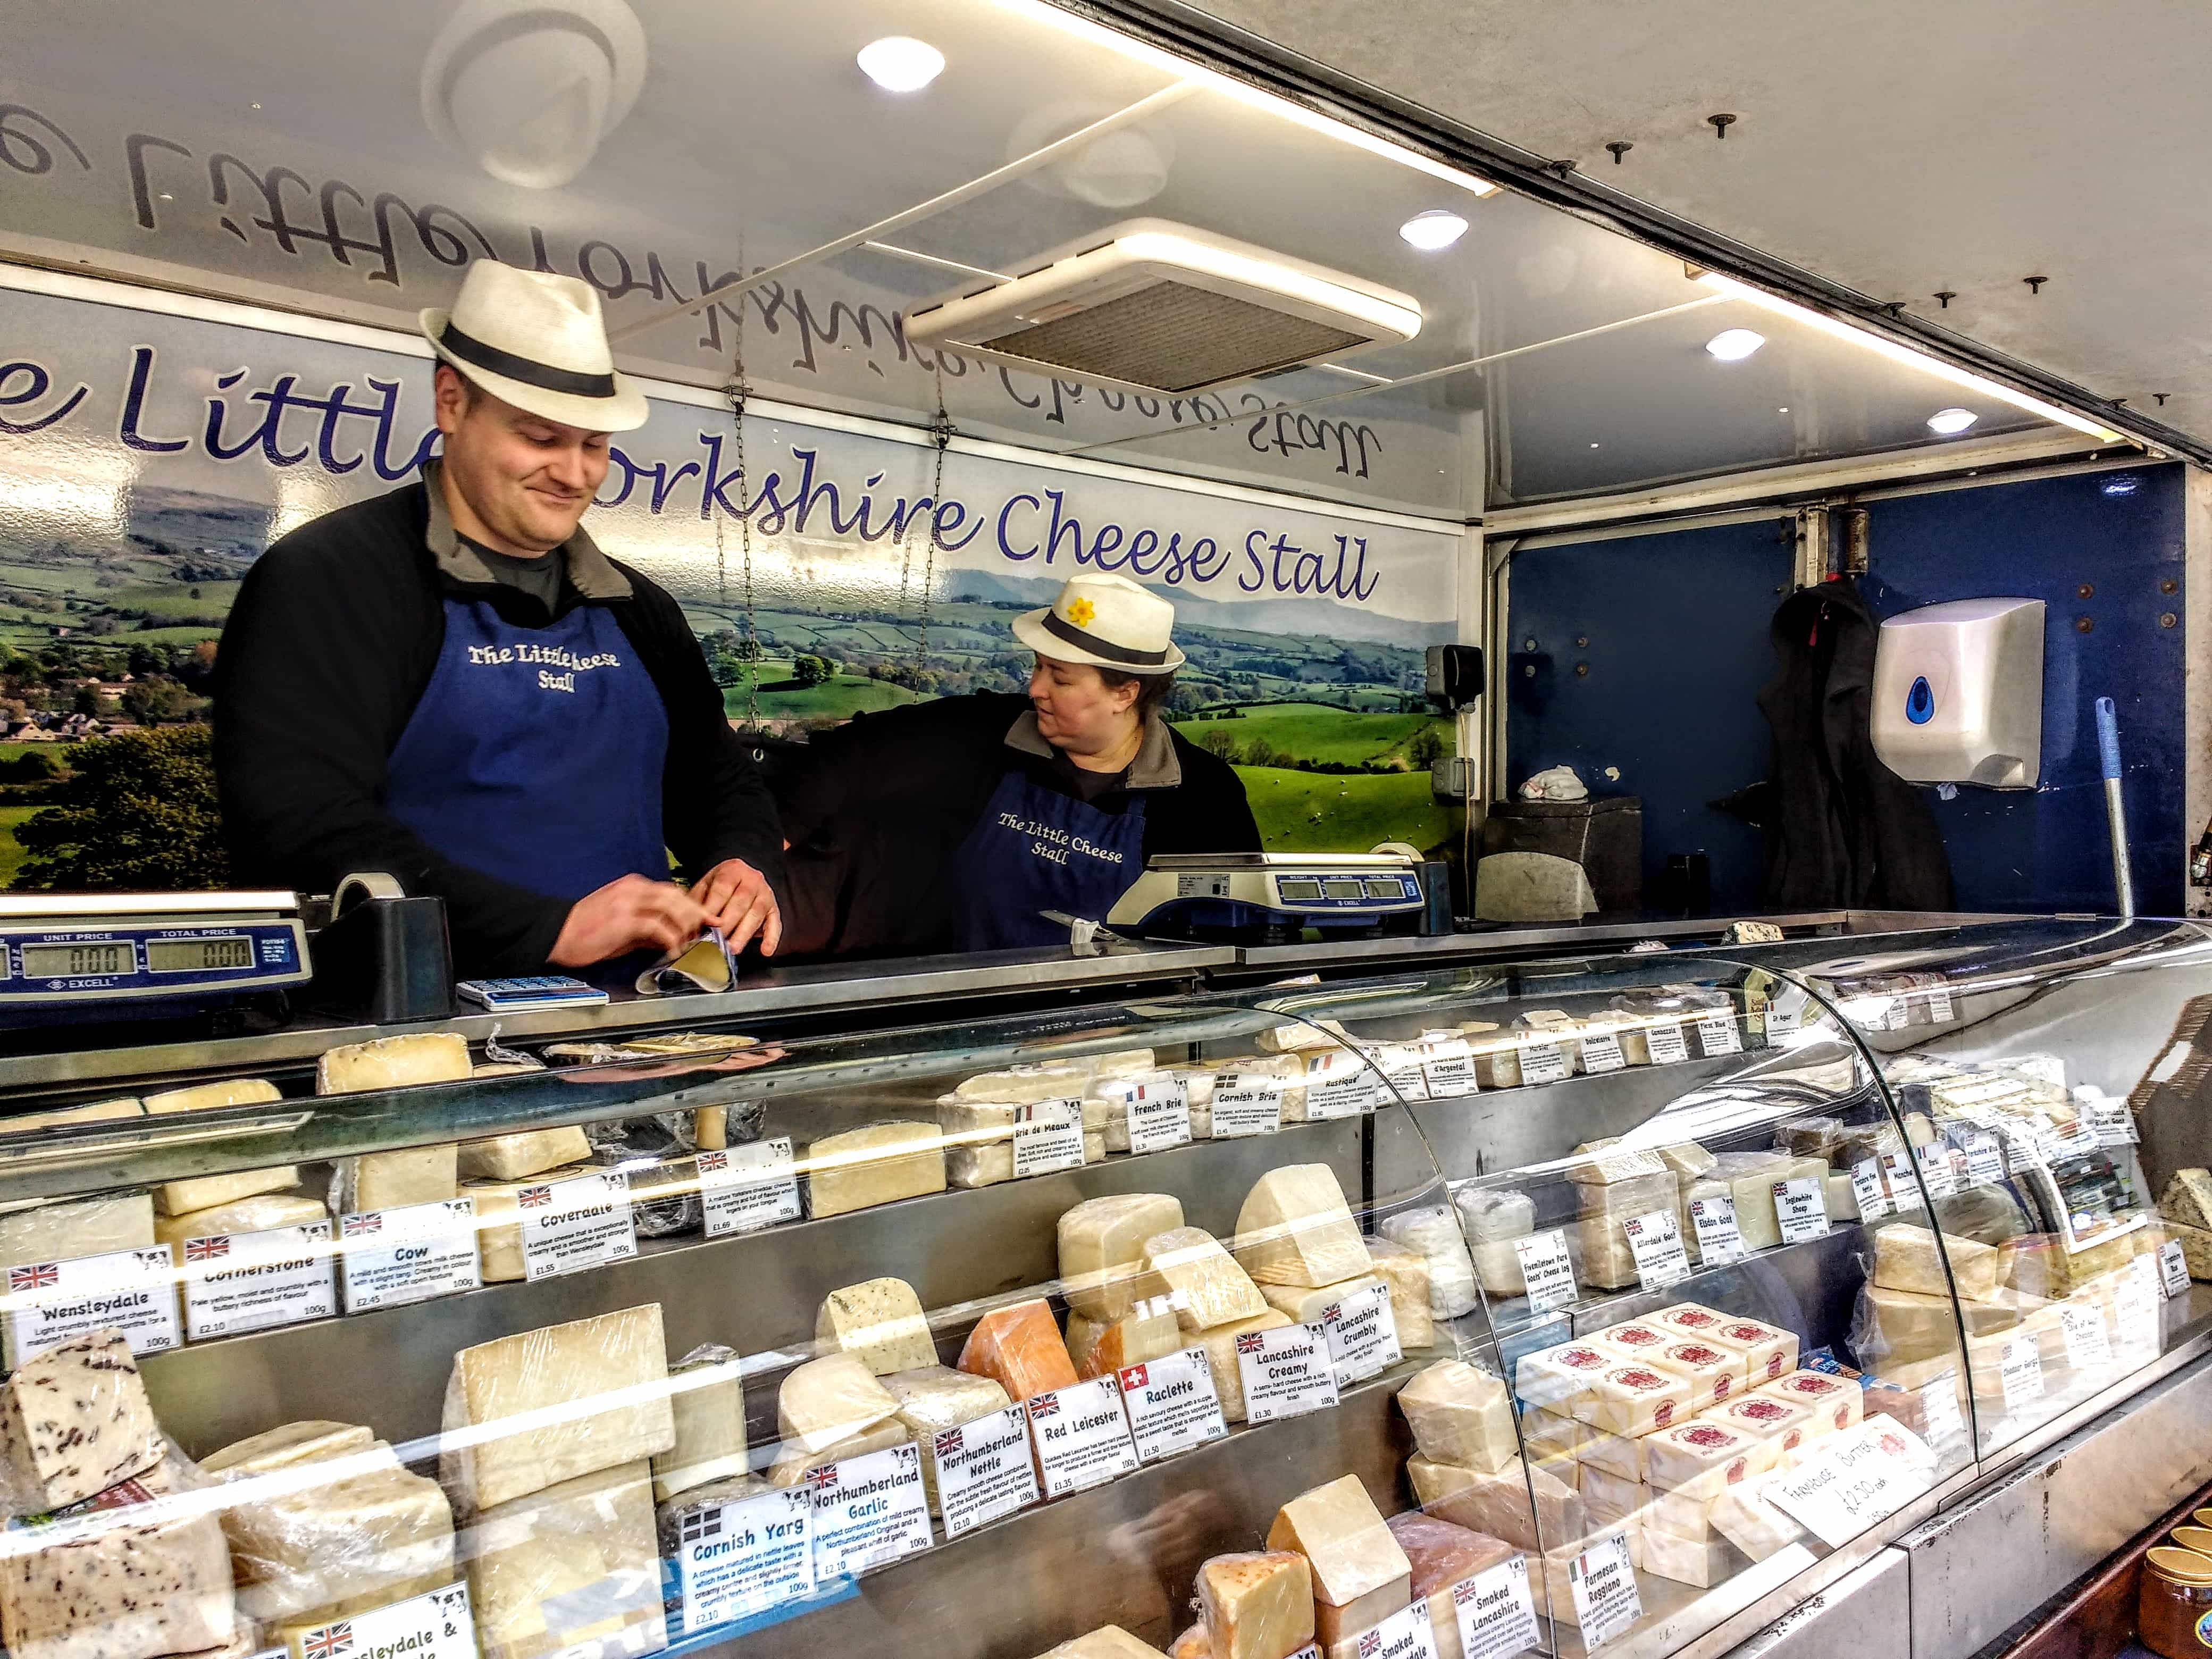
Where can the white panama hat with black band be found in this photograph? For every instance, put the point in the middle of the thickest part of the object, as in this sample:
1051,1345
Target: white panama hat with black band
539,341
1108,622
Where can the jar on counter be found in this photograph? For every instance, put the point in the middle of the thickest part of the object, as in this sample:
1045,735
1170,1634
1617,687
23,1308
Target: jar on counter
2173,1607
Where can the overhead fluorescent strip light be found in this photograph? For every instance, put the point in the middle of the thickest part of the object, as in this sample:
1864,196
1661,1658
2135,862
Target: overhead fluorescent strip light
1907,355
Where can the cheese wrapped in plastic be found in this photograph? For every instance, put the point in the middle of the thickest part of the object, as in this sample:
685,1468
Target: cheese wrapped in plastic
39,1232
204,1192
1257,1606
1460,1414
829,1399
933,1398
1434,1233
877,1163
1634,1400
1441,1556
261,1213
1839,1399
1203,1283
1026,1085
574,1568
1704,1456
1295,1228
510,1158
561,1402
707,1405
1102,1251
1498,1504
794,1462
670,1518
74,1421
1687,1562
1147,1332
1910,1258
1406,1272
1714,1373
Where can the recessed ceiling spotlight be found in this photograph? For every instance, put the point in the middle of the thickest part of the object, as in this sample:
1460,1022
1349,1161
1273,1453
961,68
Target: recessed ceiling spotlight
899,62
1593,446
1733,345
1435,229
1784,410
1950,422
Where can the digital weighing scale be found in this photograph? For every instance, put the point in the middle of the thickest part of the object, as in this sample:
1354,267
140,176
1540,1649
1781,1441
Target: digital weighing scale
1274,895
114,956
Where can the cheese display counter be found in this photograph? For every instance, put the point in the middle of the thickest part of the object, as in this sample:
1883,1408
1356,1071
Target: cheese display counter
1522,1305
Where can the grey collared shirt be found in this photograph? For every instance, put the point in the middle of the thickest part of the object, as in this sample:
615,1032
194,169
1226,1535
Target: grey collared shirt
1156,767
578,560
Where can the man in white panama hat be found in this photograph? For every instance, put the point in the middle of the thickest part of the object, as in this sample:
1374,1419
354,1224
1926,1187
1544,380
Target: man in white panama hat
451,683
957,824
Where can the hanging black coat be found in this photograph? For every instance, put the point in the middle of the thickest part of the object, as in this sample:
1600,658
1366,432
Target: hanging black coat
1842,828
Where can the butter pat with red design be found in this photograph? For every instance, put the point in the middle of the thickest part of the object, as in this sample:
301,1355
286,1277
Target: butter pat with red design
1634,1400
1701,1458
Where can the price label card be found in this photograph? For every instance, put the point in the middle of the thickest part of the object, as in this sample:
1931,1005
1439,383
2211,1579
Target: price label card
1406,1634
1285,1372
50,1302
1363,1337
1904,1190
868,1510
1240,1109
2080,1141
1985,1165
2087,1346
1159,1115
1719,1239
1655,1241
1448,1075
1347,1094
744,1189
437,1626
1601,1054
1604,1582
1667,1047
1402,1071
569,1226
732,1559
240,1282
1940,1011
2114,1124
1936,1170
1496,1615
984,1470
1717,1036
1860,1476
1172,1405
2135,1313
1800,1209
1867,1190
1082,1436
2173,1268
1048,1137
2020,1371
1939,1407
1545,1270
408,1254
1543,1062
1783,1021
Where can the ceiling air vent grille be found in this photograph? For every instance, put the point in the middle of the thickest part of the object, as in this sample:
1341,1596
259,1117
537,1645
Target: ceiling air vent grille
1174,337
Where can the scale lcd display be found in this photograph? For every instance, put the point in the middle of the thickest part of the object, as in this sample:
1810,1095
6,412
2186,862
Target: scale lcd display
188,956
78,961
1341,888
1386,890
1295,888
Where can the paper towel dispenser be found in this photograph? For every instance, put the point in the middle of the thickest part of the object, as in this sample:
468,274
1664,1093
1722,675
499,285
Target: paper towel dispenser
1958,693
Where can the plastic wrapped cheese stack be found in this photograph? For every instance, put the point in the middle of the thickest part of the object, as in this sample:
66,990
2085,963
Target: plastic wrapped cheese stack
1493,1218
707,1412
876,1164
1611,1186
413,1175
1434,1233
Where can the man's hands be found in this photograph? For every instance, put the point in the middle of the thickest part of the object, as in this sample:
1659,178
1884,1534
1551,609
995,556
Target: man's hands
738,900
635,913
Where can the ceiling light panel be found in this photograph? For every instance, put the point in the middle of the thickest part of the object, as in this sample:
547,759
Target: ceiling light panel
1733,345
899,62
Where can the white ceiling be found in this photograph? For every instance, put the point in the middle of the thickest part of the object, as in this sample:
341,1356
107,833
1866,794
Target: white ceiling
1898,147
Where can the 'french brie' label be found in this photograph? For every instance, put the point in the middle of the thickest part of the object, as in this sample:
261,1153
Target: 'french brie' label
437,1626
408,1254
868,1510
1082,1436
1172,1405
1048,1137
1363,1337
1667,1046
1545,1270
1602,1580
1285,1372
569,1226
744,1189
732,1559
1716,1035
1159,1115
50,1302
1241,1108
1655,1240
984,1470
240,1282
1543,1062
1496,1615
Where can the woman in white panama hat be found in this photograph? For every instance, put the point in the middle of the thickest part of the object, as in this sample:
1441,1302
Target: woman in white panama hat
453,683
957,824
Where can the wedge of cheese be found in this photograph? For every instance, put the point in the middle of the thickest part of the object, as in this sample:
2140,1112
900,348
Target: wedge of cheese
305,1551
499,1222
1360,1574
398,1062
1296,1229
1460,1414
880,1321
1102,1251
708,1418
1303,1305
573,1568
936,1397
1019,1348
574,1399
510,1158
74,1421
1909,1258
1202,1282
1107,1642
257,1214
204,1192
1406,1270
879,1163
1257,1606
312,1442
89,1226
388,1181
1498,1504
1443,1555
794,1463
98,1111
829,1399
1220,1344
1146,1332
1027,1086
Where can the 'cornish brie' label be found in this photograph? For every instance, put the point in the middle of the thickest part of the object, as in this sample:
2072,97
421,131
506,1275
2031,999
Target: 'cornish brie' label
1246,1109
744,1189
50,1302
408,1254
569,1226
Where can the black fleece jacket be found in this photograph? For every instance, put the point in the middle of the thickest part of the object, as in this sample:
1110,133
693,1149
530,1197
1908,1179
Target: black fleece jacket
332,640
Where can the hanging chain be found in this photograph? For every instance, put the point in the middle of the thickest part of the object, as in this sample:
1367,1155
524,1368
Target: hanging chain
739,391
940,432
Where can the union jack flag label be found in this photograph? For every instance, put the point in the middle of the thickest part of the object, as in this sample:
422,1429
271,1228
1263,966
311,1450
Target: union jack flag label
950,1440
531,1198
329,1642
209,1249
37,1276
372,1222
824,1478
1045,1405
1250,1342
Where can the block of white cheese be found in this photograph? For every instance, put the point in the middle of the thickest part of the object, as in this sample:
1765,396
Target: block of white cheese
1295,1228
311,1541
98,1111
1305,1306
396,1062
1839,1399
1558,1379
1220,1344
311,1441
1743,1515
1256,1605
1108,1642
129,1589
499,1222
204,1192
1634,1400
829,1399
89,1226
390,1180
1714,1373
1791,1427
1682,1514
1406,1272
561,1402
573,1569
1602,1256
794,1463
1616,1453
1703,1457
510,1158
257,1214
879,1163
1498,1504
933,1398
1686,1562
1548,1434
1636,1338
1434,1233
1460,1414
1147,1332
707,1407
1102,1251
1769,1352
1899,1328
880,1321
1202,1282
1360,1574
1610,1498
1749,1179
1600,1164
74,1421
1026,1085
1494,1218
1909,1258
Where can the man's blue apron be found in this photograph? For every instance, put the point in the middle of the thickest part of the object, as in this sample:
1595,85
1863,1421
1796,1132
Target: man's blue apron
1036,850
535,754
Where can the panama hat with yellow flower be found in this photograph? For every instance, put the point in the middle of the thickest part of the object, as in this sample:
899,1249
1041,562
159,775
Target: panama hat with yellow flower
1108,622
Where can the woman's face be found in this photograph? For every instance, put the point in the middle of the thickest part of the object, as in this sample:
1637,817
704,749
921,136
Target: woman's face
1077,710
